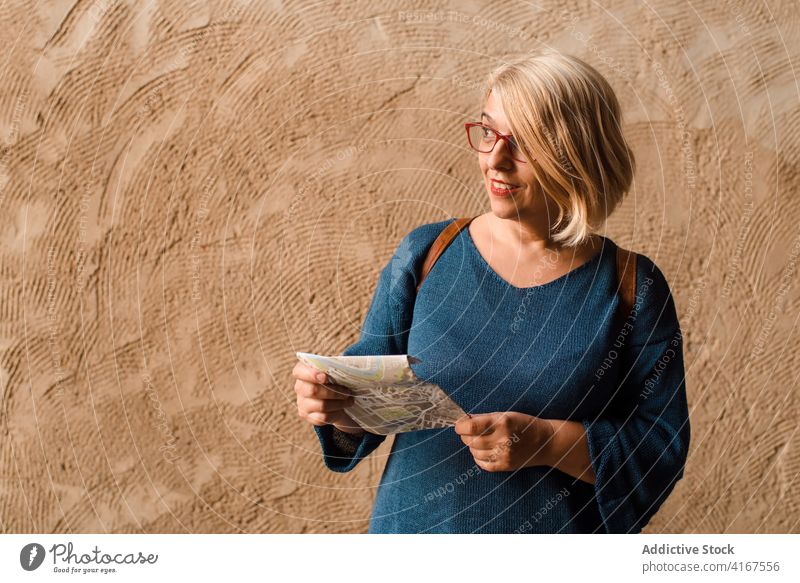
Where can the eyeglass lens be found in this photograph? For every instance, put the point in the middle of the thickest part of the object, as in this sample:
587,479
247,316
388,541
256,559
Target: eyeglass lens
484,139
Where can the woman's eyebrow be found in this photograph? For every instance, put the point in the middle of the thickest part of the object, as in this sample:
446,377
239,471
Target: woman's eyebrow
487,116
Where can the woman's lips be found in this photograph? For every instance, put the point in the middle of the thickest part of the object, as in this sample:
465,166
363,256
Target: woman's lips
502,192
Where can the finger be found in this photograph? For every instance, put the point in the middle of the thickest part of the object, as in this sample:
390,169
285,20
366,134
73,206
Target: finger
489,466
330,418
483,455
307,373
338,390
322,405
318,391
478,442
475,425
489,457
312,420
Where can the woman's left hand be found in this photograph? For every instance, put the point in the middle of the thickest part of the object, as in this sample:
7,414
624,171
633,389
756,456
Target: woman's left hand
501,442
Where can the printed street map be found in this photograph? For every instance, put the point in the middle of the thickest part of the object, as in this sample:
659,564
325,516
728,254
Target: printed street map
389,398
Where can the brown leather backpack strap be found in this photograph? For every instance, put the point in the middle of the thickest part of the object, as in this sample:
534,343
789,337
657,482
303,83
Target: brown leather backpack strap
440,244
626,279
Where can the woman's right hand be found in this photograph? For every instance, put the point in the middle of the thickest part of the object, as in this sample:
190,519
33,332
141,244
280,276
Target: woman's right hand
320,403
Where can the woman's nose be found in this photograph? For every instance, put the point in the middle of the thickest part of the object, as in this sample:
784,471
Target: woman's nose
500,156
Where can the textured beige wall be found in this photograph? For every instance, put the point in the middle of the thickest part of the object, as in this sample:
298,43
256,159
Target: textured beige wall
190,192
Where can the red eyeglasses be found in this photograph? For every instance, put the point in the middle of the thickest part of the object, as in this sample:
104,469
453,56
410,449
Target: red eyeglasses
483,139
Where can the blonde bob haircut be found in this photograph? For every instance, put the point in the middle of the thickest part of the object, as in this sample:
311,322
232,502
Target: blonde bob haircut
567,122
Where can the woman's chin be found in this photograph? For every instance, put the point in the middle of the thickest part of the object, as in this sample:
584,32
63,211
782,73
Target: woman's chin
504,206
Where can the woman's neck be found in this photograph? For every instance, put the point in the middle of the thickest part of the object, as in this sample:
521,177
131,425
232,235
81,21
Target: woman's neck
530,236
533,236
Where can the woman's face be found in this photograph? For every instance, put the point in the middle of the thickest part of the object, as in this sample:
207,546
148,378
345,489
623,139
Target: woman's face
525,197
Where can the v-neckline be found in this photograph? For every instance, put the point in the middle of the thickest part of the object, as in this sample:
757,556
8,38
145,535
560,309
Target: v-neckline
594,259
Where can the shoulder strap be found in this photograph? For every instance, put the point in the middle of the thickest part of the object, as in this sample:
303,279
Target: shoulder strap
440,244
626,279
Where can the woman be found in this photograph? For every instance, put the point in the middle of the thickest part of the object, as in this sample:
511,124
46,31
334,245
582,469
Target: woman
577,424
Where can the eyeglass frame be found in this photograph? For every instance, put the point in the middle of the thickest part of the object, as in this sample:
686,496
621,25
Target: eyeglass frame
511,143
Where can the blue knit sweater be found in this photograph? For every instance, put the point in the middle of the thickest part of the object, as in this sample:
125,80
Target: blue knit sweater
552,351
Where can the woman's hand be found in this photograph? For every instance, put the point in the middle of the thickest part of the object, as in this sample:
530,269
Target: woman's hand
322,404
501,442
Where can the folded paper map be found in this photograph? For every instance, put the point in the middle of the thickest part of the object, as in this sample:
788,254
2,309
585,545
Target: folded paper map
389,398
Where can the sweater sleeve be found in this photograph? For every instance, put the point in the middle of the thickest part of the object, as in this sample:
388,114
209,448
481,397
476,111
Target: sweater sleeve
638,445
385,331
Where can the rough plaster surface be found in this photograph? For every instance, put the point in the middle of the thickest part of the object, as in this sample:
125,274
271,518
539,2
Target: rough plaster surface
190,192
